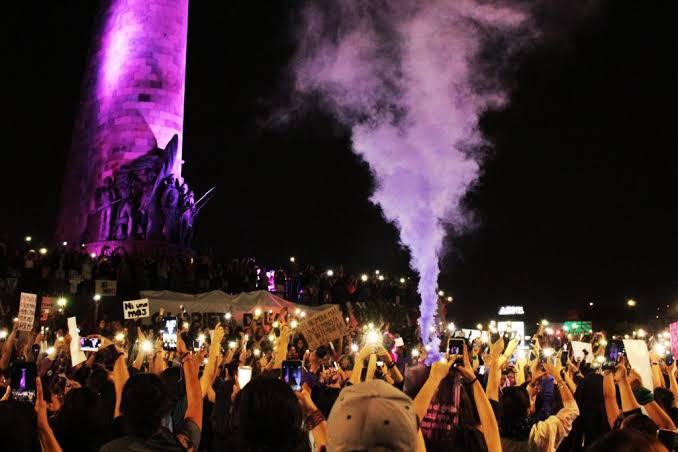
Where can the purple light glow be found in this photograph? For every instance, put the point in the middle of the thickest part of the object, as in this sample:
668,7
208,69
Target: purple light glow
400,74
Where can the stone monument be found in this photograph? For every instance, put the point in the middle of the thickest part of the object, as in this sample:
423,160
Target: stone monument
123,185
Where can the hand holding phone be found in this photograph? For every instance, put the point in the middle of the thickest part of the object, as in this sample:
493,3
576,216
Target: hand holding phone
291,374
169,333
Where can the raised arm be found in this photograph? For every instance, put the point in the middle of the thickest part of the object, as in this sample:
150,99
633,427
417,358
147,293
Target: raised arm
194,396
209,373
488,421
612,409
439,371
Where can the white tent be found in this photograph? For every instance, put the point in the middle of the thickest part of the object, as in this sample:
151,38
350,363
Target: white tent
213,305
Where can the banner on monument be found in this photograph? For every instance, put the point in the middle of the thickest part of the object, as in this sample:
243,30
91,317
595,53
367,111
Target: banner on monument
136,309
26,316
45,308
674,338
105,287
324,327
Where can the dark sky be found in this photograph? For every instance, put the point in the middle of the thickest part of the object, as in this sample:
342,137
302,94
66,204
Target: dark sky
577,200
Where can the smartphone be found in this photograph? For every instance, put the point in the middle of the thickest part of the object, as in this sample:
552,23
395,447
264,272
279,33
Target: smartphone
563,357
455,346
291,374
380,363
89,344
669,359
23,381
169,333
196,345
481,370
614,350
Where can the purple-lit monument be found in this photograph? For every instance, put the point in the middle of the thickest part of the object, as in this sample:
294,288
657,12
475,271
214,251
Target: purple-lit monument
123,184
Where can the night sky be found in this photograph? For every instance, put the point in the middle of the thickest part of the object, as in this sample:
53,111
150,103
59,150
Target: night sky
577,198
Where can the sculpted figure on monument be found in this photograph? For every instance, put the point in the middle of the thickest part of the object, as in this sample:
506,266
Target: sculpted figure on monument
187,211
168,205
125,218
106,198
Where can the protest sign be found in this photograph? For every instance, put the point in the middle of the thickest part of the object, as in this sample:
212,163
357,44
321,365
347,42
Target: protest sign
639,359
136,309
45,308
578,351
26,311
105,287
77,355
323,327
674,338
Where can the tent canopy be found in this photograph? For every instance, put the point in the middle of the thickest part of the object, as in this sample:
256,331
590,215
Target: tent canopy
216,303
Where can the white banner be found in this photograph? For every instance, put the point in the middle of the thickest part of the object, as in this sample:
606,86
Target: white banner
77,355
639,359
26,311
136,309
105,287
578,351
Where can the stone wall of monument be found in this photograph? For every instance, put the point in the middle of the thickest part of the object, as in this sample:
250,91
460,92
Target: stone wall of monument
132,101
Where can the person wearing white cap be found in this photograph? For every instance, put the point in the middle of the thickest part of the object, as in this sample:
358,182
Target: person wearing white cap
373,416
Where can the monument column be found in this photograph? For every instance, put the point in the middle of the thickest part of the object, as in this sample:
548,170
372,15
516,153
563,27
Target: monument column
132,105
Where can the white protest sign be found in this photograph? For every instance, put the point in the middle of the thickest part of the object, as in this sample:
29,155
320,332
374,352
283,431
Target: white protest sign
26,311
578,351
324,327
136,309
77,355
399,342
105,287
639,359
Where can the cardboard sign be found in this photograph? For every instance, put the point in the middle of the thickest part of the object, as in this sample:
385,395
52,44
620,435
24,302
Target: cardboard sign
639,358
105,287
77,355
674,338
323,327
578,351
26,311
45,308
136,309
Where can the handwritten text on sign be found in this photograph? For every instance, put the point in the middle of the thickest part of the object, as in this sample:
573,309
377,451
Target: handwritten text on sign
26,311
324,327
135,309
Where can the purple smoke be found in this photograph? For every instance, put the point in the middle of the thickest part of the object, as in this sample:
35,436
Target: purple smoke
400,72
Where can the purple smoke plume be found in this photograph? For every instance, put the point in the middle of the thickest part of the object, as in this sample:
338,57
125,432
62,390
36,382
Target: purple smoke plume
400,73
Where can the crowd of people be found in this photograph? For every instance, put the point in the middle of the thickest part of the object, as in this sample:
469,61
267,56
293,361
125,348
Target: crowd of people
71,271
260,387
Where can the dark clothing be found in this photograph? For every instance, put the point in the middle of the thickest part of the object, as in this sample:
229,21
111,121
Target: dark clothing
163,440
